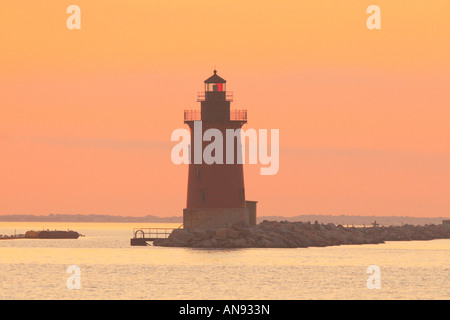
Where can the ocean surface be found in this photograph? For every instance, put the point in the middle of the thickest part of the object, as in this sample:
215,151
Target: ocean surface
112,269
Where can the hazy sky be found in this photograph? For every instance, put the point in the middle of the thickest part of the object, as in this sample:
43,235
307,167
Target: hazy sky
86,115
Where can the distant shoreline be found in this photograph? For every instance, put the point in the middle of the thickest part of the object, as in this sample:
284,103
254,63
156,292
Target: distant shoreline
337,219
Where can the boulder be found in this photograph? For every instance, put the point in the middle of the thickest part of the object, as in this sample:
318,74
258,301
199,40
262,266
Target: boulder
208,243
202,235
233,234
221,234
240,243
181,235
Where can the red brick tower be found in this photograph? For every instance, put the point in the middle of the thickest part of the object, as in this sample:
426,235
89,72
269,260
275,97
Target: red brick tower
216,193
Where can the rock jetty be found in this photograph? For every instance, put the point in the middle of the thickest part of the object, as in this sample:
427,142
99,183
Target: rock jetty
48,234
284,234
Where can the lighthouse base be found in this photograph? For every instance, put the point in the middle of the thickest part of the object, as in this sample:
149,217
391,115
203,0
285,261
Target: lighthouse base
207,218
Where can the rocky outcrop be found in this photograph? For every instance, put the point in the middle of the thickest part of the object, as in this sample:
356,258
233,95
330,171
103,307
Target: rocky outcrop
47,234
274,234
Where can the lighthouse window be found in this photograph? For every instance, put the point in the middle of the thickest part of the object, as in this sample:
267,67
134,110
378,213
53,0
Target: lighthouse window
202,195
198,174
215,87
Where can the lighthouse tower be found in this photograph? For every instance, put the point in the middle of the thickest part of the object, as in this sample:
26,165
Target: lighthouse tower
216,192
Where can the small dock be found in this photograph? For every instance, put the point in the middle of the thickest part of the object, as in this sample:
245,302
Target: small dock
142,235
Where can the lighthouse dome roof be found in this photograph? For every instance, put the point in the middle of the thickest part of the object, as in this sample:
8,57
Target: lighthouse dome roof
215,78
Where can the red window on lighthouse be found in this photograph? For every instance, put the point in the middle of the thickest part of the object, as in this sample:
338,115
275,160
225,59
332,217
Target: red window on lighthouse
217,87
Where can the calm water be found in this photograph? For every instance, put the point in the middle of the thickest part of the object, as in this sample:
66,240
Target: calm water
112,269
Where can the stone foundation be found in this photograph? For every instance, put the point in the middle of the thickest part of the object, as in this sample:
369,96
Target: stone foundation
206,218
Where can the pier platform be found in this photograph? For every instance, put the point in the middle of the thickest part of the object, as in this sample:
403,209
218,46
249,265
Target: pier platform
143,235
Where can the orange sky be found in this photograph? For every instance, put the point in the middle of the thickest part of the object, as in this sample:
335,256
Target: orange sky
86,115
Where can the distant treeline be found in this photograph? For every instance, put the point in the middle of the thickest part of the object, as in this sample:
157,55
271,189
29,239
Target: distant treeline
87,218
359,220
341,219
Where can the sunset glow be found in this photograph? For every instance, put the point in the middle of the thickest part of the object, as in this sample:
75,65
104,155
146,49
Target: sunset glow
363,115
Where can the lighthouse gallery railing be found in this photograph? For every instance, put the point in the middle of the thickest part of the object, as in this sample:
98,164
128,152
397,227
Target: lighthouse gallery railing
196,115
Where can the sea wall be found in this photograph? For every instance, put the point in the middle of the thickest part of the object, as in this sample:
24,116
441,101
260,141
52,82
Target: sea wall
284,234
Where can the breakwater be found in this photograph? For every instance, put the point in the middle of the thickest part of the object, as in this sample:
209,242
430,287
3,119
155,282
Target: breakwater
284,234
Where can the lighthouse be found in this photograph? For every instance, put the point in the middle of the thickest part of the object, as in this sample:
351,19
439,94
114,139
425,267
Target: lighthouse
216,191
